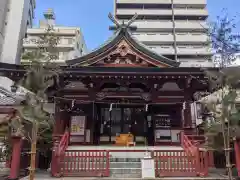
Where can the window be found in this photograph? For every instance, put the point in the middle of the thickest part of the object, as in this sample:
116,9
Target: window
151,34
182,33
196,34
164,33
182,47
165,47
70,40
152,47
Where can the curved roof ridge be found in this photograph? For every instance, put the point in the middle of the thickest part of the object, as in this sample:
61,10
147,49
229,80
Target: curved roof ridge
123,32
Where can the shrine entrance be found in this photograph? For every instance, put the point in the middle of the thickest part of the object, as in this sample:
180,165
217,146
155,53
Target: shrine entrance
159,124
122,119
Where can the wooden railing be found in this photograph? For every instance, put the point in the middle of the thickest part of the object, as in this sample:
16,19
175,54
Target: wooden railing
82,163
190,144
96,163
174,163
60,145
187,145
63,144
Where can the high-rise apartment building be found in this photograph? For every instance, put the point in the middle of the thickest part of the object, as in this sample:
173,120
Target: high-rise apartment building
15,17
71,41
173,28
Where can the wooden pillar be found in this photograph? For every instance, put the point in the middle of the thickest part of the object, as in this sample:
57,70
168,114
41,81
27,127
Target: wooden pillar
16,157
187,110
237,155
187,115
58,130
211,158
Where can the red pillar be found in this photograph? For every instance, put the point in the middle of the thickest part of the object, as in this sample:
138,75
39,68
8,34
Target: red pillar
58,131
237,155
16,156
211,158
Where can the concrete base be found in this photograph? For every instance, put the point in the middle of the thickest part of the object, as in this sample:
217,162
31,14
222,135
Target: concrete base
126,152
124,148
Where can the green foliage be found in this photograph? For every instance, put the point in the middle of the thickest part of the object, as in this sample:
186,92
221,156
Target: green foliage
7,148
224,40
41,73
226,114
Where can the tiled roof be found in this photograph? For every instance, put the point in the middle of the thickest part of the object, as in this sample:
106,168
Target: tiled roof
116,38
6,100
6,97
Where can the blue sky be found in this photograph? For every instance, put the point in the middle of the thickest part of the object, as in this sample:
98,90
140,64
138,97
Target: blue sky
92,15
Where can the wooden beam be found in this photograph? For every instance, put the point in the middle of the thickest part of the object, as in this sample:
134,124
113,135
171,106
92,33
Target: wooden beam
74,93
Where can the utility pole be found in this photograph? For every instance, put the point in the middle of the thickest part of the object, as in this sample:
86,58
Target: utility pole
174,33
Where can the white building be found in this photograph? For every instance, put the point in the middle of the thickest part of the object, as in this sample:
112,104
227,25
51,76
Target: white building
15,17
170,27
71,42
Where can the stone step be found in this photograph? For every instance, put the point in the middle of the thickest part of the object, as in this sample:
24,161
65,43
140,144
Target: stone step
114,165
126,173
125,159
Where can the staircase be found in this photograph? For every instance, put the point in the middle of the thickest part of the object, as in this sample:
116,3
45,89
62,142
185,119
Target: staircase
125,167
191,145
125,162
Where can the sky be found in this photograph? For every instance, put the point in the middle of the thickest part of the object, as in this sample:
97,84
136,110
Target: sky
92,15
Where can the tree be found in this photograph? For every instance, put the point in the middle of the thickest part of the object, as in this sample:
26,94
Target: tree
224,39
41,74
225,118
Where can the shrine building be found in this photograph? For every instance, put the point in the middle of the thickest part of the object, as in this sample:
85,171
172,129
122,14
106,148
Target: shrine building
119,101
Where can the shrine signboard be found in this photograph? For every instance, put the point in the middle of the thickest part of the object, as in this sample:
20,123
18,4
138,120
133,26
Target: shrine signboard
78,125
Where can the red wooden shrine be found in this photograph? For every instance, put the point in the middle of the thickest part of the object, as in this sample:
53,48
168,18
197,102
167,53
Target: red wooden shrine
124,87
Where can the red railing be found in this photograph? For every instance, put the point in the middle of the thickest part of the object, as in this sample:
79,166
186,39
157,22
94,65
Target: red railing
63,144
174,163
60,146
190,144
90,163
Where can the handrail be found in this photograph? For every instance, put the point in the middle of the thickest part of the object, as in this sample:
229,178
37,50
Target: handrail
190,144
63,144
187,145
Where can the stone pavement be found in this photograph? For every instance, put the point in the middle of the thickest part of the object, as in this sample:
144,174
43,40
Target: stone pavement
46,176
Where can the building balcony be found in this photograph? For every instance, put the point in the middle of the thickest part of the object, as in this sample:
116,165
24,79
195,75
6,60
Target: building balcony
32,43
59,61
164,38
148,25
163,12
190,2
165,50
196,63
58,31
